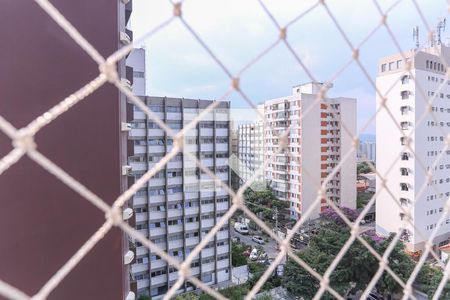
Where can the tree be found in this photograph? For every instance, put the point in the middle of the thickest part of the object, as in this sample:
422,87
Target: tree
143,297
187,296
364,168
237,254
428,281
236,292
353,272
257,270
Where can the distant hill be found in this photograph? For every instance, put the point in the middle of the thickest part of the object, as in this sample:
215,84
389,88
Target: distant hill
366,137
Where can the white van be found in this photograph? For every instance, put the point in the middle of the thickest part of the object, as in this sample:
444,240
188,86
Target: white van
241,228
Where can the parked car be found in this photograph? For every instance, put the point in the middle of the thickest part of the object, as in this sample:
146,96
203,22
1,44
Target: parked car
254,254
258,239
241,228
280,270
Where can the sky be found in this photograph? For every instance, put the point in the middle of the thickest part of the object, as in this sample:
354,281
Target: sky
236,31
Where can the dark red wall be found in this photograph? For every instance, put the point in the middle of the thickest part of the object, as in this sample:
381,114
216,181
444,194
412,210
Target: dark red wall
42,221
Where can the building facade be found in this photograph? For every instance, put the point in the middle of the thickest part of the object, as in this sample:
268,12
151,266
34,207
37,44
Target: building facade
315,145
181,203
250,151
407,100
367,151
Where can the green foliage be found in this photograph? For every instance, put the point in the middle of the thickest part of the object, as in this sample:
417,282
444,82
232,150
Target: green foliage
264,202
257,270
237,256
187,296
144,297
237,292
357,266
362,198
363,168
428,281
399,262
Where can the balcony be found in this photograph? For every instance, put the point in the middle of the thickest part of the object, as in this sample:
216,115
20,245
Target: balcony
157,232
223,263
141,217
175,197
144,283
207,253
155,215
192,226
175,213
137,268
208,267
175,228
158,279
175,180
223,249
158,264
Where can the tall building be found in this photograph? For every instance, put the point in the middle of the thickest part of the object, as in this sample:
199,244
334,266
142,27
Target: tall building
406,102
315,145
250,151
367,151
181,203
51,221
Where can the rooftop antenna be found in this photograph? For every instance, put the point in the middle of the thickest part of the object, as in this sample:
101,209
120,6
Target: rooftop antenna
416,36
440,28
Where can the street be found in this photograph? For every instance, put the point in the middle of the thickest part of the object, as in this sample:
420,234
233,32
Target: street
270,248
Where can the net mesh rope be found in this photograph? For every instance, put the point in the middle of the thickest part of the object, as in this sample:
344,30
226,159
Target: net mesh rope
23,142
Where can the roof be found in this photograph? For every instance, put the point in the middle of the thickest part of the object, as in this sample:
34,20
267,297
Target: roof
445,248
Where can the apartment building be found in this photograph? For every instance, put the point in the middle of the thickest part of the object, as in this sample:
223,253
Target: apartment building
250,151
406,99
315,145
181,203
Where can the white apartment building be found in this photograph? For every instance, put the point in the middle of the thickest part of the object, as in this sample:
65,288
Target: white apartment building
406,99
315,145
250,151
181,203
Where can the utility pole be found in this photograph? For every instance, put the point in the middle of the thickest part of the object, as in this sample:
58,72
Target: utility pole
276,220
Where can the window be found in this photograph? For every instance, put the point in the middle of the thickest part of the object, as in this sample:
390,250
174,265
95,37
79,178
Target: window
175,222
138,74
174,109
391,66
157,273
404,109
404,94
404,125
383,68
403,140
405,79
157,225
404,187
404,171
156,108
207,277
399,64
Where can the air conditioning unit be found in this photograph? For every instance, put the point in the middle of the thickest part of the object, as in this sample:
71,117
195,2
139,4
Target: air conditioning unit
124,38
126,170
126,83
127,213
130,296
125,126
128,257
